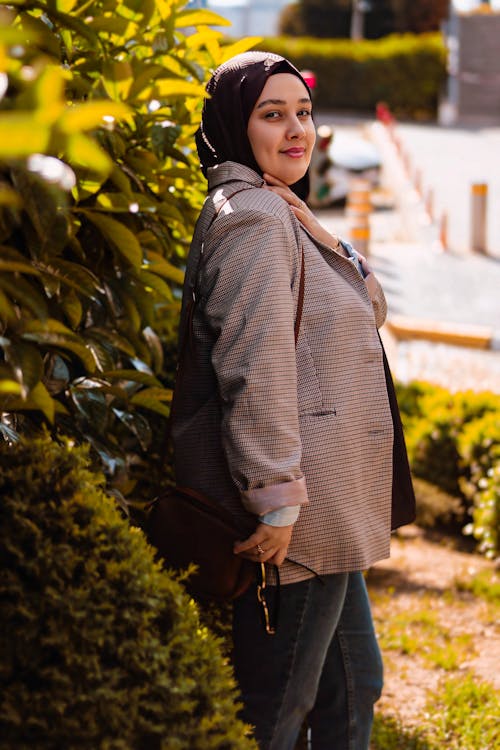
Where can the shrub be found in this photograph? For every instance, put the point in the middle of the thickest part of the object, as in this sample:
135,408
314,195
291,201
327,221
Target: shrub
485,525
433,438
99,647
478,446
454,448
436,508
99,191
405,71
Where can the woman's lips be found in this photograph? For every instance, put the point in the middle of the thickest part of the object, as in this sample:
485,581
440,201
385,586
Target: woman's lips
295,153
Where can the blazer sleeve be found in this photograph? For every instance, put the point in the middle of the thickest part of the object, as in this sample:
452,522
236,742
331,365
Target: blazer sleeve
251,260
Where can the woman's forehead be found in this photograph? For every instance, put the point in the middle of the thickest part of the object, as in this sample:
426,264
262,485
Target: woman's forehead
285,87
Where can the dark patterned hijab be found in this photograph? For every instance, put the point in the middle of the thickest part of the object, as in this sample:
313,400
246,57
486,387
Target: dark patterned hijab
234,90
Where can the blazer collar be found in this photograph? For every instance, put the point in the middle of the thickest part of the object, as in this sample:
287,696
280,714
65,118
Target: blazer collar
231,171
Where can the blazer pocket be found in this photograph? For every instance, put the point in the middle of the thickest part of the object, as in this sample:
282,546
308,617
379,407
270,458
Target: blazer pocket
310,398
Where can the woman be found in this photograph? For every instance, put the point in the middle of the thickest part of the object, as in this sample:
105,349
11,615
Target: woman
295,438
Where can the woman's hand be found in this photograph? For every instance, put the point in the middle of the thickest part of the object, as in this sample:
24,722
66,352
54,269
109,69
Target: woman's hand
301,210
266,544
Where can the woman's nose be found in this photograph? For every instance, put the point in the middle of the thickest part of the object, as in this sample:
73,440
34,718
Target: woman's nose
295,129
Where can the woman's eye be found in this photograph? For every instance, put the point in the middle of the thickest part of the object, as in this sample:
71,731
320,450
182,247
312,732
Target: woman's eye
304,113
272,115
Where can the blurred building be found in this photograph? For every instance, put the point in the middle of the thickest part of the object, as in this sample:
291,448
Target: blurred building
473,86
249,17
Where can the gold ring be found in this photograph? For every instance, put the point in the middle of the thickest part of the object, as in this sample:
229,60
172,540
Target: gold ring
260,551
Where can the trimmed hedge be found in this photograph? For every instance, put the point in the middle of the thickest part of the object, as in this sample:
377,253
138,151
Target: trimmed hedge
406,71
453,444
99,648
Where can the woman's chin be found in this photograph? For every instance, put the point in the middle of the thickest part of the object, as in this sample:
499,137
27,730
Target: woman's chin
291,176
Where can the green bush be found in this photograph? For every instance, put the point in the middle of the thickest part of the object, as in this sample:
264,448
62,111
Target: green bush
433,438
485,525
479,448
405,71
99,190
99,647
436,508
453,444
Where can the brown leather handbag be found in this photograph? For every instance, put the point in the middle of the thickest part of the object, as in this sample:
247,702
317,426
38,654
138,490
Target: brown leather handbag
187,527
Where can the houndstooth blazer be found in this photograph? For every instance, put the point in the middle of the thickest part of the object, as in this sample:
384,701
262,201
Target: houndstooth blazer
261,423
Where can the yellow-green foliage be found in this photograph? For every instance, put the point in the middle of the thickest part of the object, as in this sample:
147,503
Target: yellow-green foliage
99,190
453,443
406,71
99,647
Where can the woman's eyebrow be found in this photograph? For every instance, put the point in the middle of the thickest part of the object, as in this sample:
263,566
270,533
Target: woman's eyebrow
305,100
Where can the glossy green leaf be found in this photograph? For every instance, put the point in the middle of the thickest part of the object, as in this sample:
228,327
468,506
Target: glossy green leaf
20,137
242,45
200,18
143,78
137,377
117,79
73,275
158,265
138,425
151,281
43,400
54,333
131,312
120,180
27,363
12,266
10,387
130,203
45,206
92,404
155,348
57,375
90,115
153,399
38,399
84,151
65,5
110,24
111,337
172,88
7,311
101,353
25,295
9,197
72,307
118,235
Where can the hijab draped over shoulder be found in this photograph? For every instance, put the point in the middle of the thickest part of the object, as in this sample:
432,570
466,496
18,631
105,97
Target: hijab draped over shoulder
233,91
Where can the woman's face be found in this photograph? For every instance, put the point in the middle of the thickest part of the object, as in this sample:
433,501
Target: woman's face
280,129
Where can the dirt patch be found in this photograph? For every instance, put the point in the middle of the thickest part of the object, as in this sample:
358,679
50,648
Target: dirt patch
429,628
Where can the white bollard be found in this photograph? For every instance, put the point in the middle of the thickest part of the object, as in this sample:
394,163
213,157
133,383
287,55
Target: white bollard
479,202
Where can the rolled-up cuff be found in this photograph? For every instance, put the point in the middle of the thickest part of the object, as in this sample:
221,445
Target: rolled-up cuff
281,517
265,499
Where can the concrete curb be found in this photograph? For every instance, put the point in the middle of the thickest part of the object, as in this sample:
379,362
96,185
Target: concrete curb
475,337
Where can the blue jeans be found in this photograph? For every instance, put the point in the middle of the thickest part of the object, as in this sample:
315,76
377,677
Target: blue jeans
323,663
